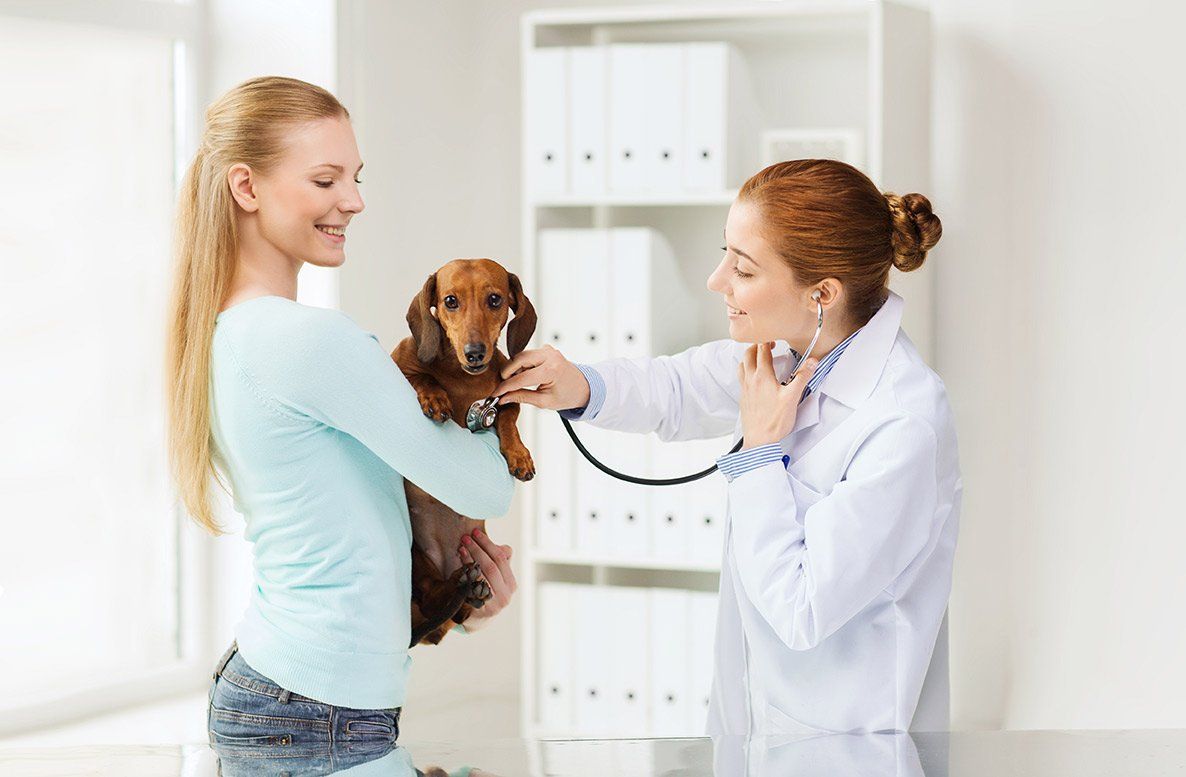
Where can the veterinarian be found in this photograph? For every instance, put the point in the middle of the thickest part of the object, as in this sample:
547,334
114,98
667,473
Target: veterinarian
843,504
313,427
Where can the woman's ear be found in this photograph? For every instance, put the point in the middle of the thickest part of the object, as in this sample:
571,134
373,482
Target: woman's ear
522,326
426,330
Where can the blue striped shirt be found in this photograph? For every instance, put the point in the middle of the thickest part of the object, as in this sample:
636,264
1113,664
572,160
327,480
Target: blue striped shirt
731,464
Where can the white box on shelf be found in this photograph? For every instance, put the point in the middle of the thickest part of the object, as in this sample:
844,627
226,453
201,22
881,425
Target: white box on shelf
844,144
722,118
546,123
630,535
588,118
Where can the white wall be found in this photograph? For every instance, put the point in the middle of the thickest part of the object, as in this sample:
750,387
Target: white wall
1055,126
1057,159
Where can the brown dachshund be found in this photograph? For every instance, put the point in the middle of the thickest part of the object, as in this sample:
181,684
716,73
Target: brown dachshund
452,360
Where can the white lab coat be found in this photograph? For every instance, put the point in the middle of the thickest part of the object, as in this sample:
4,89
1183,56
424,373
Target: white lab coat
837,568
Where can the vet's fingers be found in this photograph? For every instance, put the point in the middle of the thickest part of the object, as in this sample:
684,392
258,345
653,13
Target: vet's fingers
539,375
765,363
799,383
523,360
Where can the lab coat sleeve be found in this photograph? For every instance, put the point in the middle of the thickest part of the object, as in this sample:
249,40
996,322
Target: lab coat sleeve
690,395
808,578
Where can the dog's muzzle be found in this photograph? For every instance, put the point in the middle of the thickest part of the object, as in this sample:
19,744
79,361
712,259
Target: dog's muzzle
482,414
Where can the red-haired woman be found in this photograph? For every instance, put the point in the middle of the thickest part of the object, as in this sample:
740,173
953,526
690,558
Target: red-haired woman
844,500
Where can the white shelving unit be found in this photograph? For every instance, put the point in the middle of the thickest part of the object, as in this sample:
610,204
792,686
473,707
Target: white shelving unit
861,66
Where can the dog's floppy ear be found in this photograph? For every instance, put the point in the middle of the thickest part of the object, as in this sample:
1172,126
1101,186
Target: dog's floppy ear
522,326
426,330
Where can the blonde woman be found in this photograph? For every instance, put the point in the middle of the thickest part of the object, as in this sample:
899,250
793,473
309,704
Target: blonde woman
312,427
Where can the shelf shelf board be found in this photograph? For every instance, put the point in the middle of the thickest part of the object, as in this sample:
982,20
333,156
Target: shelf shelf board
637,200
571,17
582,560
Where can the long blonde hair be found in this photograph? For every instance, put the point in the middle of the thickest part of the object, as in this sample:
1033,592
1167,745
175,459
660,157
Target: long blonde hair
246,125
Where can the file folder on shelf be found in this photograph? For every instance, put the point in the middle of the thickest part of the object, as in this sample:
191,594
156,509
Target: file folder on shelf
588,115
556,646
546,124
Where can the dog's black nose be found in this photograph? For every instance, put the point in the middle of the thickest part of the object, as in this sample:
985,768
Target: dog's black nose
475,353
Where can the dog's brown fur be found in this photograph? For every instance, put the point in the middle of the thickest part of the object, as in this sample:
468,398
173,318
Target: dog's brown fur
444,591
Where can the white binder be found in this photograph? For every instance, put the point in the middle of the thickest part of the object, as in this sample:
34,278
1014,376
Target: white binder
668,647
556,646
559,255
707,499
546,129
596,494
668,517
589,296
722,121
628,625
664,134
627,118
588,117
653,312
702,614
555,469
630,535
594,636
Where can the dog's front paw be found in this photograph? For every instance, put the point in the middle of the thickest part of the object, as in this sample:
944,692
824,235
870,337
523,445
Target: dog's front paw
519,463
435,404
474,586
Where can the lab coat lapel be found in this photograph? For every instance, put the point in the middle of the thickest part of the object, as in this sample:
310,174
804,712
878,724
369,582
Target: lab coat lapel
855,374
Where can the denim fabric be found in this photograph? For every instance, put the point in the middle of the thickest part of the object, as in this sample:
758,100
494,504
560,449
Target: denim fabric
257,728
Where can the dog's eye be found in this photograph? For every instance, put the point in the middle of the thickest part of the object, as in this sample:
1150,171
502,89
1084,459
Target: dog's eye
451,302
495,300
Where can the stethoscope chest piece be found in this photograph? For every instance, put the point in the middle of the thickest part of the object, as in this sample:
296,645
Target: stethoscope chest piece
482,414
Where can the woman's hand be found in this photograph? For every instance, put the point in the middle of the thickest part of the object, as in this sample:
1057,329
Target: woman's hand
768,408
495,562
561,385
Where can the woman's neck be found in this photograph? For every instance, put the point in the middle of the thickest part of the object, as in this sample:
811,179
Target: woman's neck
261,269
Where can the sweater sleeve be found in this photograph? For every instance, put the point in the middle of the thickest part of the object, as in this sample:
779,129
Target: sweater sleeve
326,368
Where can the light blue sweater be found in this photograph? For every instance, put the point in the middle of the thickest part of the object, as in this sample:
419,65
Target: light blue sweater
316,429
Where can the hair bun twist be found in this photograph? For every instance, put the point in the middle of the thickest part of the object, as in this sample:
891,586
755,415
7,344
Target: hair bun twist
914,229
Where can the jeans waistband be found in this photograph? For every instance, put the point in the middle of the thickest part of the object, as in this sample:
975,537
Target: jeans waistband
284,695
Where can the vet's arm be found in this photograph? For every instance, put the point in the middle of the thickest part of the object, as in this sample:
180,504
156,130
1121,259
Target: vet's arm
689,395
338,374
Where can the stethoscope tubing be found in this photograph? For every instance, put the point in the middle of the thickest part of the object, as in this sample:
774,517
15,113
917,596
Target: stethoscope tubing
819,327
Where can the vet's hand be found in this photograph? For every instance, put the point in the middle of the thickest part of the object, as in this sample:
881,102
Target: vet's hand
768,408
561,386
495,561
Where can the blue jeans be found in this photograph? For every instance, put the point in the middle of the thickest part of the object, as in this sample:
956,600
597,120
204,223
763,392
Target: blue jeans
257,727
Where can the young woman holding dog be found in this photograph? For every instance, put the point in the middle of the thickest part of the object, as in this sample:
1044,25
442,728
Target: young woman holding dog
312,425
844,501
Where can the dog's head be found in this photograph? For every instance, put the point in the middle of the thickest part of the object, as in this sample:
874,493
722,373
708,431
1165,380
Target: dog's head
462,309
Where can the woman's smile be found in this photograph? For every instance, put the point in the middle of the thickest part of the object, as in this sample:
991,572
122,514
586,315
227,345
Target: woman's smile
336,235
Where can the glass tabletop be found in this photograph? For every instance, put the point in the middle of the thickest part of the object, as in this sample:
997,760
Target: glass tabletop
1148,753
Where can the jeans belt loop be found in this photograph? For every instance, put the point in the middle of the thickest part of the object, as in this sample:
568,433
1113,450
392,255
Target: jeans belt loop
285,695
226,658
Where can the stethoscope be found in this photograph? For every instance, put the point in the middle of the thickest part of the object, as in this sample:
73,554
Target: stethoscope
484,412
